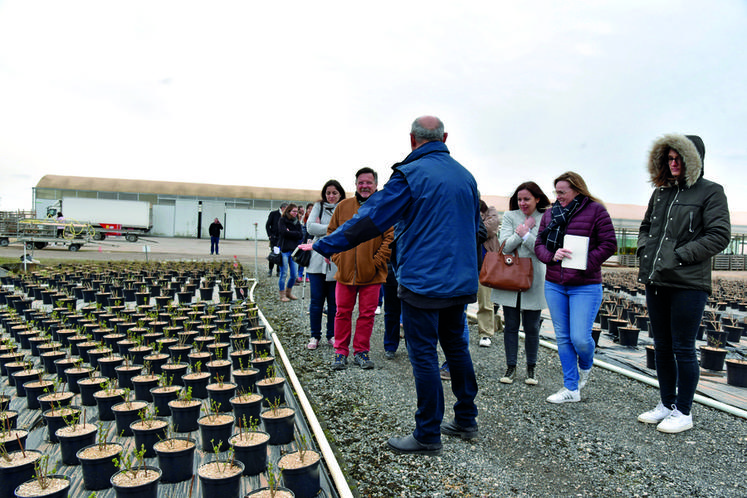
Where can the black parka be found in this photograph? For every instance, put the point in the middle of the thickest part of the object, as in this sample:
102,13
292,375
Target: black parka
687,221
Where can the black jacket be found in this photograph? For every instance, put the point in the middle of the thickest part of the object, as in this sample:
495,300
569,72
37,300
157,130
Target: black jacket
686,223
271,226
290,233
215,228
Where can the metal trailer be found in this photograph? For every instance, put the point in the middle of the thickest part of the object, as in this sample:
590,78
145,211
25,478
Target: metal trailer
9,225
38,234
108,217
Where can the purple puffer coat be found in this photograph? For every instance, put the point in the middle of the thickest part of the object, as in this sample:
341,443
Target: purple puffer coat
590,220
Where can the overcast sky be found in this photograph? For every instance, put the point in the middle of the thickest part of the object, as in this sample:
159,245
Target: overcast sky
290,94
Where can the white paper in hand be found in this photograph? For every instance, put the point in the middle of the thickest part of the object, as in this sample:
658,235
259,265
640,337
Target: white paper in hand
579,246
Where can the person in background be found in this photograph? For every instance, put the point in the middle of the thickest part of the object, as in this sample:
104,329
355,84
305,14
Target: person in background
271,227
434,295
519,232
392,310
214,231
289,234
686,224
60,228
321,271
574,295
485,311
360,273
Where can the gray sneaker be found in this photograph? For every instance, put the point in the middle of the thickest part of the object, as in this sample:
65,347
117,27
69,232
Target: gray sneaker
361,359
340,363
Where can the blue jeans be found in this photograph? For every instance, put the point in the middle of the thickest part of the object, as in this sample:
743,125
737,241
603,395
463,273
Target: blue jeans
531,319
573,309
321,290
675,316
287,263
214,244
424,329
392,315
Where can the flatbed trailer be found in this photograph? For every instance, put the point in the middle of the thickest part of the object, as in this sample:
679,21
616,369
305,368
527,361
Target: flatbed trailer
38,234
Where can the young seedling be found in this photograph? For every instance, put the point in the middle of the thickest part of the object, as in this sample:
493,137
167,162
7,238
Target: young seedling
42,471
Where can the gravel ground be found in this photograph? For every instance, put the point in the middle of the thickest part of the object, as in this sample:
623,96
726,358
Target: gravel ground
526,447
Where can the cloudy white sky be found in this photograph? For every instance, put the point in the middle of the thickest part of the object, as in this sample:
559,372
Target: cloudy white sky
289,94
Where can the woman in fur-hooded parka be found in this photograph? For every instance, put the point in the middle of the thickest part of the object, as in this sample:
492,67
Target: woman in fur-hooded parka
686,223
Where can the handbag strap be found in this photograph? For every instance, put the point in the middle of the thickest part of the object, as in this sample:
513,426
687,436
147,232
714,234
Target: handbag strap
515,254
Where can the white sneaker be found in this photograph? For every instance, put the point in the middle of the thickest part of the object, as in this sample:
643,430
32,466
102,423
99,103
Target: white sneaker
583,377
656,415
565,396
675,422
313,343
331,341
378,310
485,342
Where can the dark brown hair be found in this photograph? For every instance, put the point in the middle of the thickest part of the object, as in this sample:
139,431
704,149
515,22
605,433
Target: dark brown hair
332,183
542,201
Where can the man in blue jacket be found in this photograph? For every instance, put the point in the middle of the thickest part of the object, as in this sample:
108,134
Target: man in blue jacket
435,204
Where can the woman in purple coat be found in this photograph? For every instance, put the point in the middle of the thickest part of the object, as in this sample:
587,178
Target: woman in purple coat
573,286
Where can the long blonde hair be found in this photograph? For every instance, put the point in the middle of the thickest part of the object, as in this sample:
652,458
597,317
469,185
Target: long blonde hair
577,183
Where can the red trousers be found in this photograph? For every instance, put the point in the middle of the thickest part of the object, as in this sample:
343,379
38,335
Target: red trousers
368,299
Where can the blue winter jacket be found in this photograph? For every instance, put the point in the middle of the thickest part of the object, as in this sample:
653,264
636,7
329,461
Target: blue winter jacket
435,204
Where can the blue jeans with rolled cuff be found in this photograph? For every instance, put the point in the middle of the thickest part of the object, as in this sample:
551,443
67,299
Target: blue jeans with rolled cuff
321,290
573,309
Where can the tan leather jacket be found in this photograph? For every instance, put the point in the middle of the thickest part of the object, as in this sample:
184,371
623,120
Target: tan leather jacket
364,264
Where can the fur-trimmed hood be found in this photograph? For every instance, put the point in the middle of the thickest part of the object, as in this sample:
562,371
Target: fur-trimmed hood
689,147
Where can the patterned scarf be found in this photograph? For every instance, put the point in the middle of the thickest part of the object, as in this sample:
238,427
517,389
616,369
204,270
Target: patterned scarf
553,234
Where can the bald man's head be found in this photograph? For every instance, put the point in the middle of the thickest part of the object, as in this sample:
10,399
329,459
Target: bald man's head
426,129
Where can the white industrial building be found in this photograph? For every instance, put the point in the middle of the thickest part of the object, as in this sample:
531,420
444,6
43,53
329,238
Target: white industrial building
179,209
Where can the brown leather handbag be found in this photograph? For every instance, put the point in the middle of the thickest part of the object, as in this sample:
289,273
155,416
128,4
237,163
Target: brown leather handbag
506,271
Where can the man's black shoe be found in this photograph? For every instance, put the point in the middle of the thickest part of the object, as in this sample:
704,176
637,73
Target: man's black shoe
410,445
453,429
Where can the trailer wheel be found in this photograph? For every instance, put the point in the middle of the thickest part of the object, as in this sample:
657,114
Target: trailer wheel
4,242
98,235
40,245
131,237
73,247
29,246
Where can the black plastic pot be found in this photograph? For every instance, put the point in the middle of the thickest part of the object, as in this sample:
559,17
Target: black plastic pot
628,336
226,487
9,419
245,380
60,493
219,368
175,371
215,432
125,375
303,481
650,357
126,415
246,406
280,428
262,364
55,421
184,416
33,391
105,404
143,384
273,392
12,477
64,400
198,385
17,440
88,389
176,465
261,346
280,492
97,472
222,396
148,436
107,366
162,397
73,375
71,444
146,490
736,373
21,377
251,451
712,358
49,358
